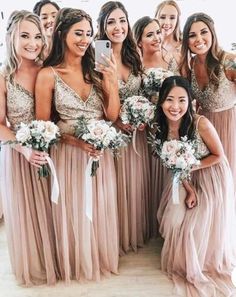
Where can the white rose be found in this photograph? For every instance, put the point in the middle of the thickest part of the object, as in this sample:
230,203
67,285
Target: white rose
50,132
23,134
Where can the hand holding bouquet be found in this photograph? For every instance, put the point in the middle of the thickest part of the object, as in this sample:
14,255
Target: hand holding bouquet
101,135
180,156
40,136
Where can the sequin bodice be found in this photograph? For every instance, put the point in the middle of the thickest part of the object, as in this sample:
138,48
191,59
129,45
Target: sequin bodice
223,98
20,104
70,105
129,88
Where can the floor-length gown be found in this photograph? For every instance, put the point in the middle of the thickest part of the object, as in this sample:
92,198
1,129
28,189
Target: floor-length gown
133,182
86,249
26,202
199,251
219,106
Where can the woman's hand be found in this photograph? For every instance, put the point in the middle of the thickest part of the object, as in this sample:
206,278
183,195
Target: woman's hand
88,148
142,127
126,128
34,157
109,72
191,199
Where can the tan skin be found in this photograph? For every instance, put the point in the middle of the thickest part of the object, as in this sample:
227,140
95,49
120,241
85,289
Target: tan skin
70,70
26,77
208,135
200,35
116,30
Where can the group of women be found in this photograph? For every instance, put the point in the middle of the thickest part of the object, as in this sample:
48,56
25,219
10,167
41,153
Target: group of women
50,74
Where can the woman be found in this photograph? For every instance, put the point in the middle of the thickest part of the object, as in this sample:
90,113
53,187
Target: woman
47,10
86,248
168,14
213,80
148,37
27,208
199,251
133,179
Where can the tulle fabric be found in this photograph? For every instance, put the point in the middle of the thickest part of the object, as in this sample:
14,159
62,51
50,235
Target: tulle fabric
199,244
225,125
133,182
28,220
85,250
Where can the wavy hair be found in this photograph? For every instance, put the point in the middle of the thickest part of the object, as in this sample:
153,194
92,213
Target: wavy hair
187,126
12,61
177,32
65,19
214,56
129,54
140,26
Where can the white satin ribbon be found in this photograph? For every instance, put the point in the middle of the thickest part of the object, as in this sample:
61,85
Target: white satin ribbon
88,190
175,190
134,141
54,181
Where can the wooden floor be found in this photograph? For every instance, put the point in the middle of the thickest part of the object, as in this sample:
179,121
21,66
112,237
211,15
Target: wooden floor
140,276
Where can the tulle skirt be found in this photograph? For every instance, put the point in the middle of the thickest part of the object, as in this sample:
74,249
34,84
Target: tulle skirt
28,220
225,124
86,249
133,182
199,244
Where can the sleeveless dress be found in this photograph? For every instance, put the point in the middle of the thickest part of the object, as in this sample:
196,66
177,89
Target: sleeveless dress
1,209
85,249
158,172
26,202
133,182
199,251
219,106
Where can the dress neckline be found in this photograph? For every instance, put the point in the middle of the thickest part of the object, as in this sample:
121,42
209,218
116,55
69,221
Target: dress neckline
72,90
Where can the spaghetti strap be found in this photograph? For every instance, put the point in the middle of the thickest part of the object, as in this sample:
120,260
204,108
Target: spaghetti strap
197,121
54,71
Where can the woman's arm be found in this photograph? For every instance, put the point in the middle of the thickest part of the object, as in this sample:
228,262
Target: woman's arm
213,143
110,89
44,88
36,158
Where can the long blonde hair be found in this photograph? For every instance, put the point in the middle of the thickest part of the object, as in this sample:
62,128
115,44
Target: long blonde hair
13,62
177,32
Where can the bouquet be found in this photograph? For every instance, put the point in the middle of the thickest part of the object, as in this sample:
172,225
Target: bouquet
178,155
153,79
38,135
137,110
101,135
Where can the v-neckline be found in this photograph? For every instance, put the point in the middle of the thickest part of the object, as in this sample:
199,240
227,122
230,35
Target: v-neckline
15,83
71,89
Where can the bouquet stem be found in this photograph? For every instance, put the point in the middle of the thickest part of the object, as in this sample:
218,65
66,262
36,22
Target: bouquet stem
95,166
43,171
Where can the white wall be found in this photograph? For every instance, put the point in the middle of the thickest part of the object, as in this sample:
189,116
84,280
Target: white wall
223,13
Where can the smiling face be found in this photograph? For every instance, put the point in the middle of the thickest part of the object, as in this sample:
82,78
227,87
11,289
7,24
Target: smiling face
117,26
151,39
199,38
28,41
176,104
168,18
79,38
47,16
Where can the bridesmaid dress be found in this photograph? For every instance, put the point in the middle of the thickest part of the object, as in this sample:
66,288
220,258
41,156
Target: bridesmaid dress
219,106
26,202
86,249
199,251
133,182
